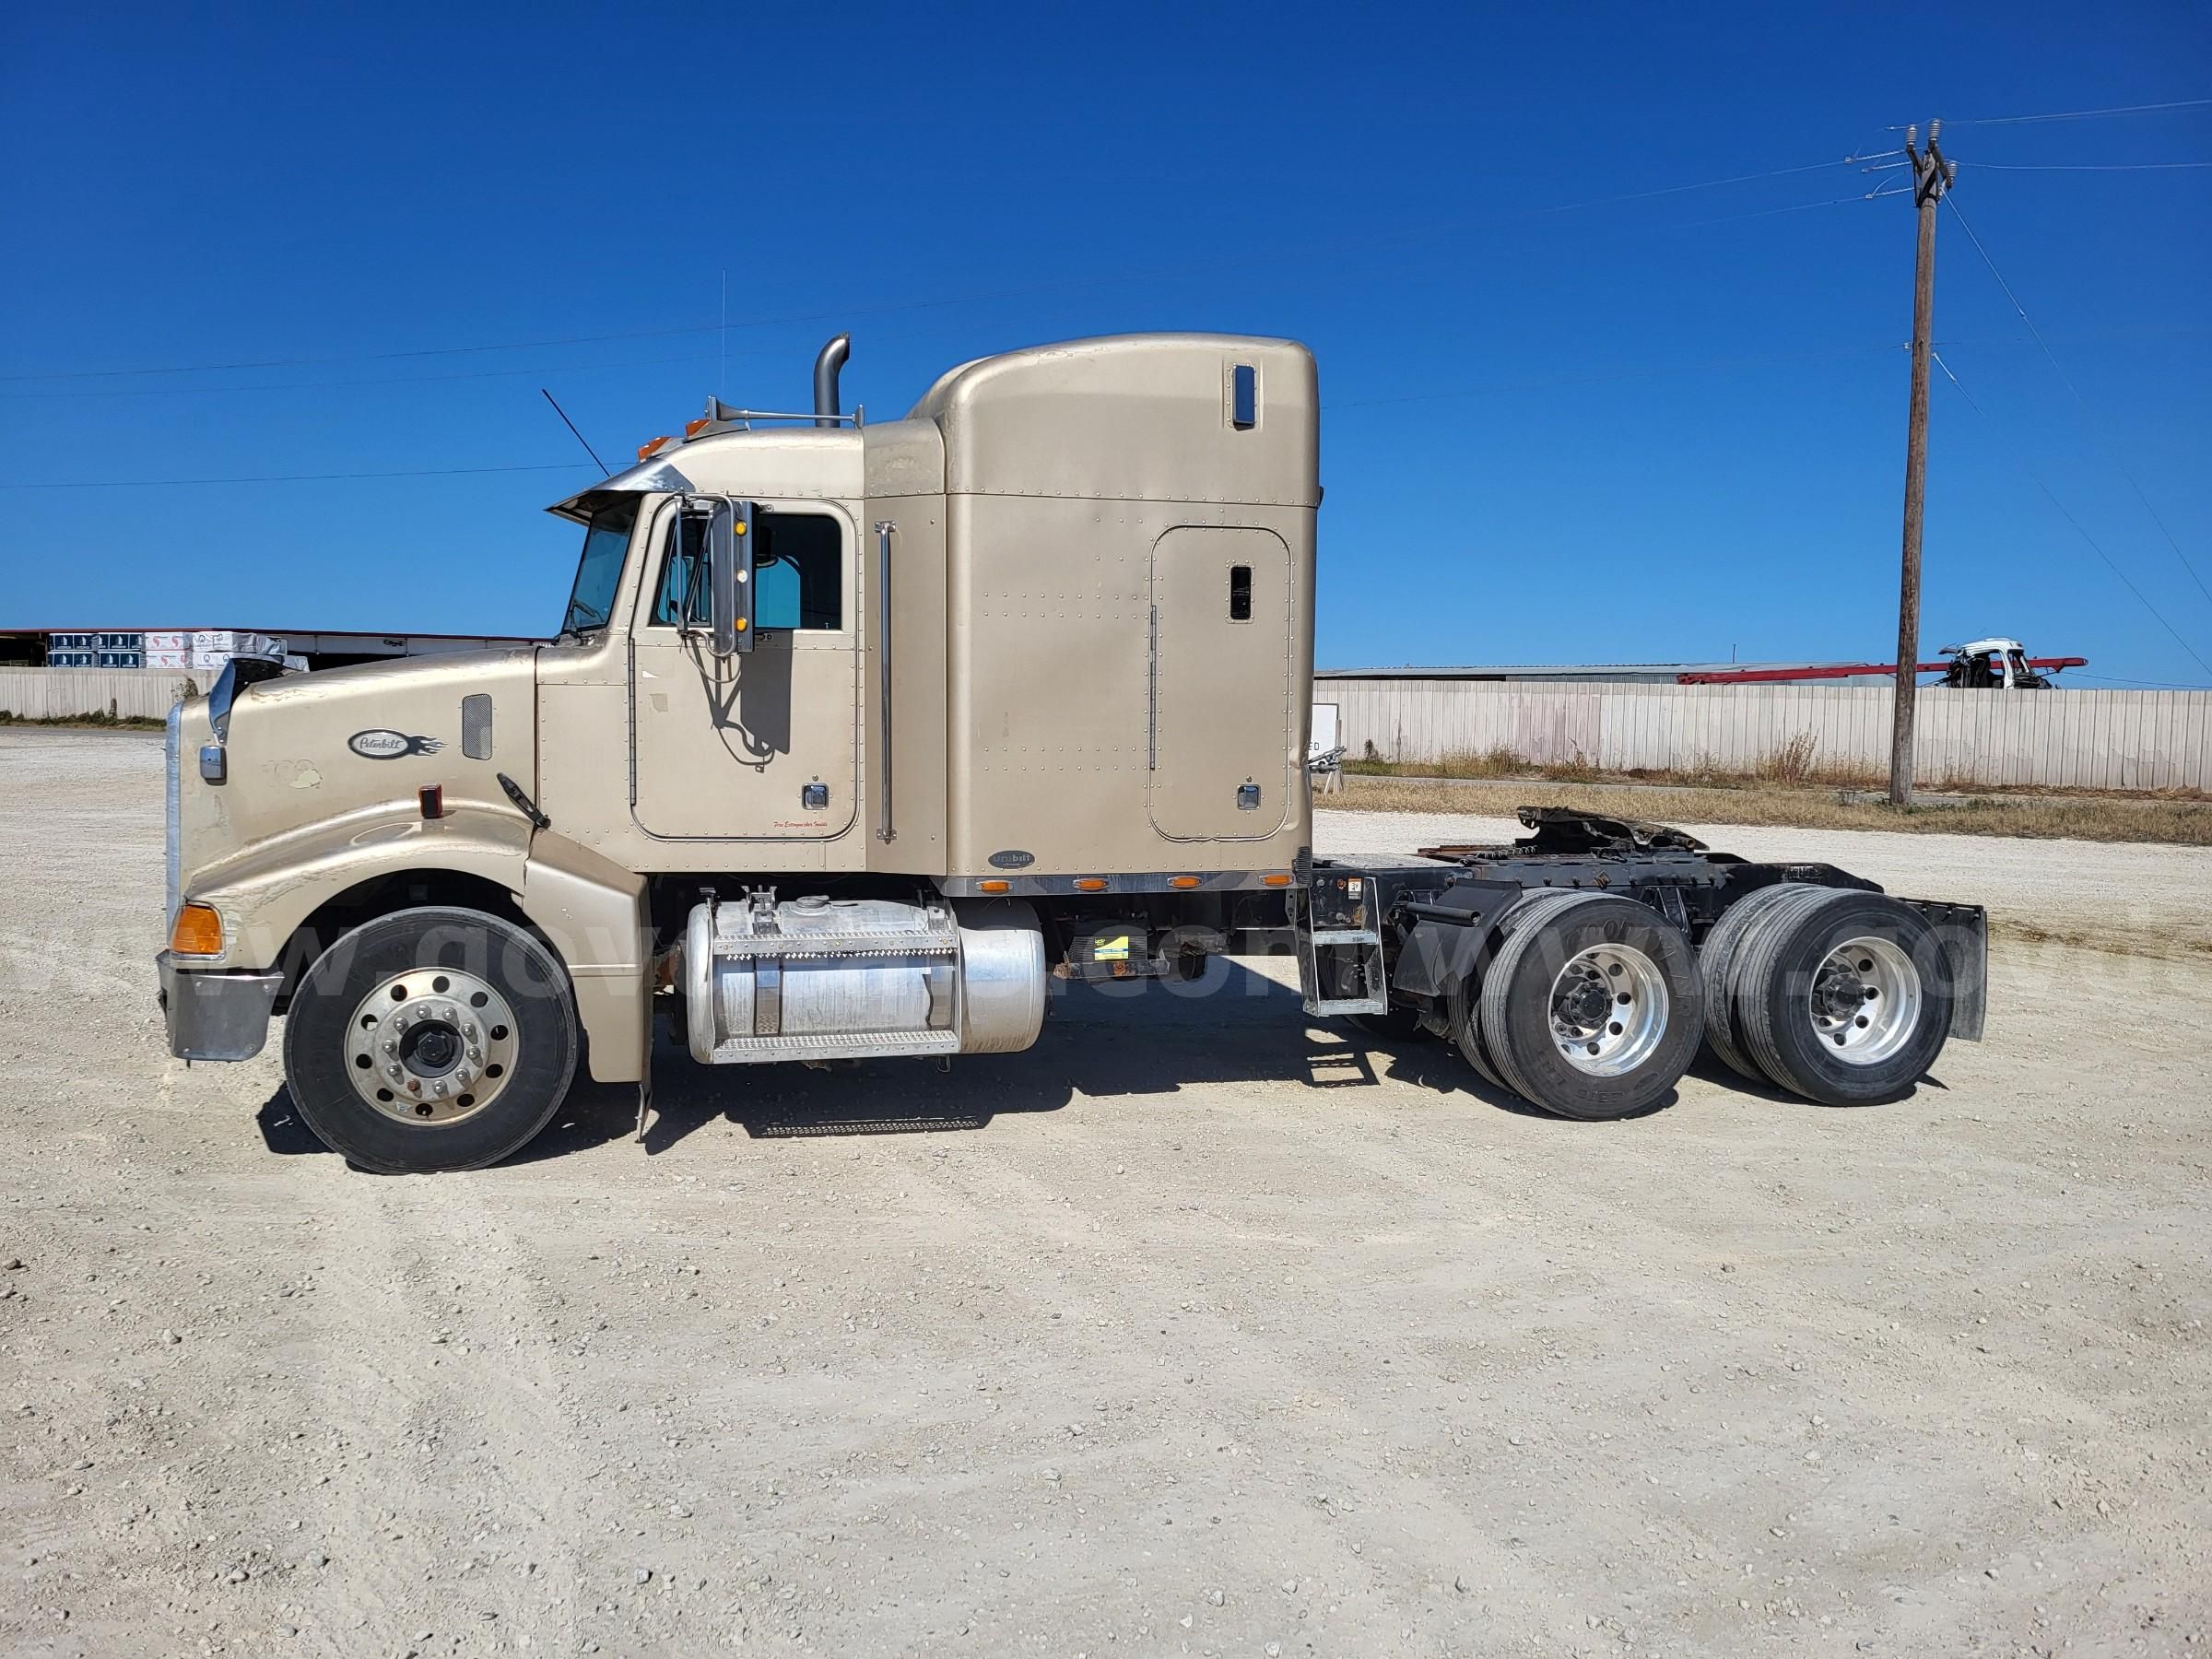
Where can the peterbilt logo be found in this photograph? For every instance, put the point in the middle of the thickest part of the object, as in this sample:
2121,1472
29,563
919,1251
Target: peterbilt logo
390,745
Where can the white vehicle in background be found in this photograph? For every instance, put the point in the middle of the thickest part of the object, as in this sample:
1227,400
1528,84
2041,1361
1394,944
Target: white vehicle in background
1995,664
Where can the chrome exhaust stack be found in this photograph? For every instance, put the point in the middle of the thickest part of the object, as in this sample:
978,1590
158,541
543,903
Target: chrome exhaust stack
828,362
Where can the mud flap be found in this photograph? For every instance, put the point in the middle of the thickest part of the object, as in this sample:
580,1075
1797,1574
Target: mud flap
1964,931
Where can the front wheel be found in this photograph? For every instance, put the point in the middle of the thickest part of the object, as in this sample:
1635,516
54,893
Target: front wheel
430,1039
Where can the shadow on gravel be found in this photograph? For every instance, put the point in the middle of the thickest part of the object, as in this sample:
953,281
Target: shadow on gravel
1709,1068
1133,1038
1144,1038
283,1130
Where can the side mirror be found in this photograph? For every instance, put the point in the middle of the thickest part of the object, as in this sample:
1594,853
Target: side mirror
731,537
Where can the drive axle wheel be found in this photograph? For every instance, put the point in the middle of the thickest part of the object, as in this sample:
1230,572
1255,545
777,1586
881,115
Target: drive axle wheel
1716,968
430,1039
1592,1007
1842,996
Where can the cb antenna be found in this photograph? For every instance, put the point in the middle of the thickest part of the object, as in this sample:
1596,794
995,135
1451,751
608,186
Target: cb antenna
588,450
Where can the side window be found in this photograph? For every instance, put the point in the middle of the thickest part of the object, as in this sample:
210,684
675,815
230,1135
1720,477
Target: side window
798,574
683,592
800,568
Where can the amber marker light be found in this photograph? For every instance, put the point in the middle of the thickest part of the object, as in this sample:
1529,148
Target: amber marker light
1274,878
1090,884
993,887
647,450
198,932
1183,881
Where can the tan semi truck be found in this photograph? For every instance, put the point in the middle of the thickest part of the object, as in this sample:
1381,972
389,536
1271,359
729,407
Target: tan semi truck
856,736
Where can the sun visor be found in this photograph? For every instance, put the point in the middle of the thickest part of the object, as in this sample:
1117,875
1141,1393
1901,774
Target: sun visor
656,477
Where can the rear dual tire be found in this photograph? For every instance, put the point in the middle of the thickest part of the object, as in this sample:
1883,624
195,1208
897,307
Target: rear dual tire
1590,1006
1840,995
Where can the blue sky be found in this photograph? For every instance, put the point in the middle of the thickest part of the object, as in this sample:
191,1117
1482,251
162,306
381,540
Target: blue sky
1558,426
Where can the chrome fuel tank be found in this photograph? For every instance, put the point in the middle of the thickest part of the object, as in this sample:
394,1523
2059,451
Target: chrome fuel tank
818,977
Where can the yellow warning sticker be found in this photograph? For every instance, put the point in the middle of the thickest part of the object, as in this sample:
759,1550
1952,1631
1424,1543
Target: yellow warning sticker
1110,950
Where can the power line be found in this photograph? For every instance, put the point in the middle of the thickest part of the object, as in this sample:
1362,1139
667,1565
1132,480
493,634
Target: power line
428,472
362,357
2113,679
2088,415
1505,388
2095,545
2147,109
2086,166
1302,254
381,380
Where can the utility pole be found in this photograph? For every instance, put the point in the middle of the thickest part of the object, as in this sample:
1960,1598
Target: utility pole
1931,177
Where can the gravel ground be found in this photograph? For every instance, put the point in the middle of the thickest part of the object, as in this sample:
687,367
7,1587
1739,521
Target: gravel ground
1192,1330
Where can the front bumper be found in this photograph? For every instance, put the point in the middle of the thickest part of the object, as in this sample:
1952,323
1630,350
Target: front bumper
215,1014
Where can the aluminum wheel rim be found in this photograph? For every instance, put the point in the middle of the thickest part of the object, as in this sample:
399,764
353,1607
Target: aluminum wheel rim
431,1046
1864,1003
1609,1010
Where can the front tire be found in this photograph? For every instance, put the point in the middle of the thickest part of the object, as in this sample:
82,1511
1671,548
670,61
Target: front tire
430,1039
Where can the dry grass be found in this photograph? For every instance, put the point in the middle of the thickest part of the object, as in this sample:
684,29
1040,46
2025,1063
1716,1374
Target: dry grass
1796,762
2083,817
95,721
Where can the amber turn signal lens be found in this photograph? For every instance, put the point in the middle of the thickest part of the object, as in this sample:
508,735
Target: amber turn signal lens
1090,884
993,887
646,451
1274,878
692,428
198,932
1183,881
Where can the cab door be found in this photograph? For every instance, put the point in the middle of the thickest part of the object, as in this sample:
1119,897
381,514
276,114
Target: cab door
1219,741
762,745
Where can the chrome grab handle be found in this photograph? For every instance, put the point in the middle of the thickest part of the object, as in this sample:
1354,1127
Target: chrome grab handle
885,529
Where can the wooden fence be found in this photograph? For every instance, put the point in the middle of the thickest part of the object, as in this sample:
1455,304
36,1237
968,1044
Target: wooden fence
58,693
2060,739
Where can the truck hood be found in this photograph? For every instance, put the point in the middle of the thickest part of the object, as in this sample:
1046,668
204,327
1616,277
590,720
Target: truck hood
311,747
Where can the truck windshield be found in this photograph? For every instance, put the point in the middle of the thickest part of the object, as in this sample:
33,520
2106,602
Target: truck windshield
606,544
